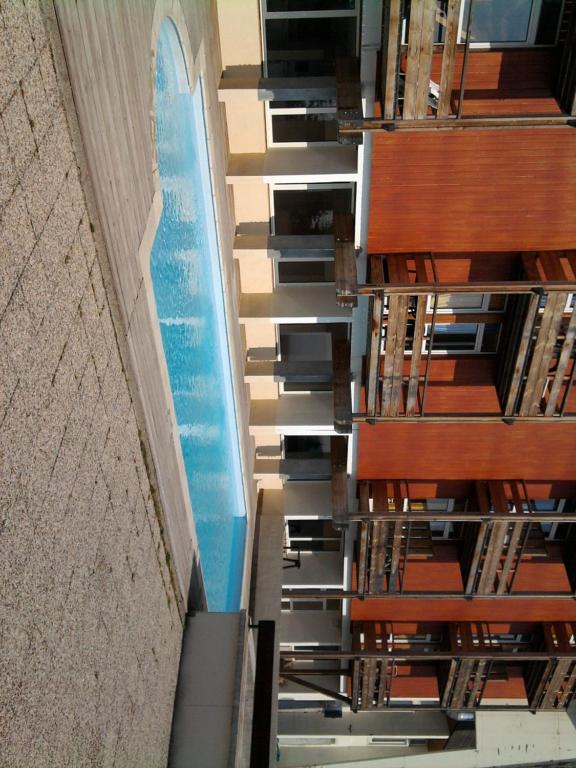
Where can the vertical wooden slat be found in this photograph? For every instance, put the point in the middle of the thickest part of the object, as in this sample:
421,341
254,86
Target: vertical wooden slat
542,353
414,380
511,556
413,60
449,57
364,533
373,373
394,310
390,57
396,540
400,275
355,683
563,362
345,276
476,685
521,355
426,53
341,387
492,558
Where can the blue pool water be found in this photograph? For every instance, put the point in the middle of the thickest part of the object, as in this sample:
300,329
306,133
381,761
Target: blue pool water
189,299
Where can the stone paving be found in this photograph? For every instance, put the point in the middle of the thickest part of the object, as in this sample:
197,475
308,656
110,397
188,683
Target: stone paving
89,624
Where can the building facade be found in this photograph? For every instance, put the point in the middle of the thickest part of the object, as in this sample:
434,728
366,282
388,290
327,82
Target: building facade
403,180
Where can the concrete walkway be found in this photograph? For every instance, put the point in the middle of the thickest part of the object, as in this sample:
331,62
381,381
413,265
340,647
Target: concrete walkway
90,629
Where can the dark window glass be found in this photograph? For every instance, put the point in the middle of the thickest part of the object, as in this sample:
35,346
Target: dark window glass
306,272
308,47
548,22
304,128
490,338
309,211
309,5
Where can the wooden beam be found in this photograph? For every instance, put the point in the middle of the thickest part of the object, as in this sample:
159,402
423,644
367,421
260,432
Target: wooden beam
521,355
466,516
563,362
460,418
362,556
509,288
341,387
416,359
339,462
425,59
348,89
373,361
512,557
413,61
345,275
390,56
374,125
542,354
449,57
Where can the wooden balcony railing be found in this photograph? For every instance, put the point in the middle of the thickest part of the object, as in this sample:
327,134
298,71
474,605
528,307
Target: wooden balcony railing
536,349
418,93
496,531
464,661
460,663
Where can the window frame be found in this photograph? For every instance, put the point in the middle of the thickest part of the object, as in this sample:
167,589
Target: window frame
480,329
484,308
530,42
266,15
288,539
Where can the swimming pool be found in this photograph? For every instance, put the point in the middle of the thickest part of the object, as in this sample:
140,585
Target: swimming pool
187,282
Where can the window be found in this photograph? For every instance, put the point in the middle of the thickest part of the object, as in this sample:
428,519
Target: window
312,535
303,125
550,530
306,45
454,303
570,302
498,23
295,6
458,338
302,38
308,209
290,272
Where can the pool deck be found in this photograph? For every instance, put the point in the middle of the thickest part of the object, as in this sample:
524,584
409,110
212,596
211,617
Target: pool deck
96,540
109,51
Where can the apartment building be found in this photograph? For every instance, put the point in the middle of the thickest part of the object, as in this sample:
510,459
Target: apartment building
403,176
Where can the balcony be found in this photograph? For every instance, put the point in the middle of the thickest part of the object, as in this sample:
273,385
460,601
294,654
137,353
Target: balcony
464,666
496,542
454,666
440,69
474,349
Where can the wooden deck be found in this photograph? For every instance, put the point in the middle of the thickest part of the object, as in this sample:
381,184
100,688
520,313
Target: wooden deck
108,53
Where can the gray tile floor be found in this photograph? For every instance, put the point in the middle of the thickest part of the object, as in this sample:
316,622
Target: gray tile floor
89,627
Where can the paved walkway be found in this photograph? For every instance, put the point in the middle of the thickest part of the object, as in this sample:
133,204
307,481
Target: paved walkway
89,624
